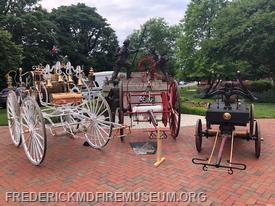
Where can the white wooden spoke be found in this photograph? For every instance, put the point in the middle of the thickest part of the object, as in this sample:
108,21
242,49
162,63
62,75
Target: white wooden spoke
13,114
98,131
34,141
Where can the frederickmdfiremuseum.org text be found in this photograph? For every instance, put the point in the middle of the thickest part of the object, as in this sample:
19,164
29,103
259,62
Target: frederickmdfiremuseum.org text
105,197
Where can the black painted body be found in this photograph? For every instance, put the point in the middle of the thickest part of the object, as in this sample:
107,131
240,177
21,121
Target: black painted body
240,115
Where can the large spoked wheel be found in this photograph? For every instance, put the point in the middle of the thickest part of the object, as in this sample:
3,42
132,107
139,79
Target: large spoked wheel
13,113
175,115
257,135
121,110
33,131
198,135
98,121
251,120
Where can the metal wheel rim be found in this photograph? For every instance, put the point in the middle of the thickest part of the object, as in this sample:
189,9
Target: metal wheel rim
175,116
13,114
198,135
257,134
251,122
98,130
33,131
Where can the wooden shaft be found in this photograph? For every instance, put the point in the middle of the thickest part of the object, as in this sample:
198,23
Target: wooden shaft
159,145
214,146
219,158
159,149
231,151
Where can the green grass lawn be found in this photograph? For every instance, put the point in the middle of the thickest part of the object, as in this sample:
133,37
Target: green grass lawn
192,104
3,117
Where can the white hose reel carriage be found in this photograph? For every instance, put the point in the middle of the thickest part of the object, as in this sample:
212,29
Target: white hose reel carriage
86,117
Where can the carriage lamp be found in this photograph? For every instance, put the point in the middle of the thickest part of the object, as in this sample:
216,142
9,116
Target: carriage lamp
226,116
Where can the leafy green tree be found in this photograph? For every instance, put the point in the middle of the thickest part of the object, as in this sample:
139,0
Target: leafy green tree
35,32
245,31
84,36
159,36
196,29
10,55
16,7
30,27
239,35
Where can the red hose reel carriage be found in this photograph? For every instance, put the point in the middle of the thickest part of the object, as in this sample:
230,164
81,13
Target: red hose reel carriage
149,91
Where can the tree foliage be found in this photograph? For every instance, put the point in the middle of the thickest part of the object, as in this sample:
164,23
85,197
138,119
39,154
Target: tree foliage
246,32
35,32
16,7
84,36
10,55
78,31
226,36
196,30
158,35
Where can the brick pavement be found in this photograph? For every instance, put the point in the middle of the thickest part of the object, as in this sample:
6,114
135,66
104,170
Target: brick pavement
69,166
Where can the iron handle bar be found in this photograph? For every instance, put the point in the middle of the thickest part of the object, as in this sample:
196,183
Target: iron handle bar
199,161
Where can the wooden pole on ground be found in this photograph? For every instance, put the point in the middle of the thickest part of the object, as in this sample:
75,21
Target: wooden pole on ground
160,159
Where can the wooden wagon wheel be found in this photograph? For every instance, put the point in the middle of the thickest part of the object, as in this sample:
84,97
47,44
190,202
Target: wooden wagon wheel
257,135
98,130
13,113
198,135
251,119
175,113
121,110
33,131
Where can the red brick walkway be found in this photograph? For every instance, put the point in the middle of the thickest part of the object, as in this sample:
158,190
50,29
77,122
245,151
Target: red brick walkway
69,166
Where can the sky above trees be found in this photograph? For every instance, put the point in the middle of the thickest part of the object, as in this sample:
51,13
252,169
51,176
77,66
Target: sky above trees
126,15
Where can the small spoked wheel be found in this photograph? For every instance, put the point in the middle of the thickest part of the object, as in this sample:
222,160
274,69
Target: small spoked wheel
13,113
98,121
257,135
175,116
33,131
198,135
